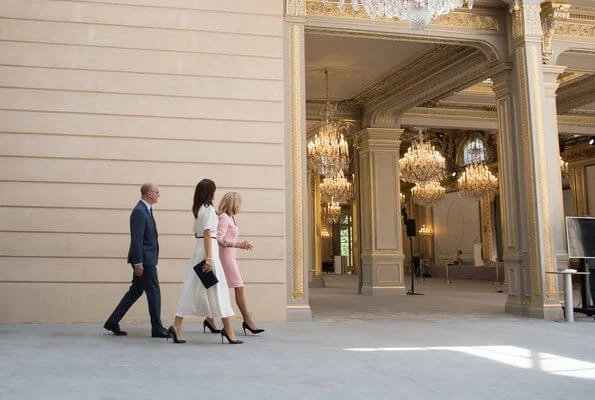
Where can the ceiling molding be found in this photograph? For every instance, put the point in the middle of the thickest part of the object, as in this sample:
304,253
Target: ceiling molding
575,94
432,80
346,110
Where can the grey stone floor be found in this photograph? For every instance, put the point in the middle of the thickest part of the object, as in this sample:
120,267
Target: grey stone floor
453,343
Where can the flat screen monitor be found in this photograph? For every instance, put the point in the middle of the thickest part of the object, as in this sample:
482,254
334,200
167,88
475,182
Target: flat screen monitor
580,235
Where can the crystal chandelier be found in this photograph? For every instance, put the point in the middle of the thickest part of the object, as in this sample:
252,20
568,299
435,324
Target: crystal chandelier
328,152
422,163
426,194
426,231
332,212
477,181
418,13
336,187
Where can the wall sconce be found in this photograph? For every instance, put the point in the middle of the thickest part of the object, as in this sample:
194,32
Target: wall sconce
324,233
426,231
402,197
563,166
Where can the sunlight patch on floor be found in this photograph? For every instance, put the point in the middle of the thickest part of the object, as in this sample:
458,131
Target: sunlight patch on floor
514,356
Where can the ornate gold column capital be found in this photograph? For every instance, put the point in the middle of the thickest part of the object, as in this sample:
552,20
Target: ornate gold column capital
526,21
295,8
502,83
551,14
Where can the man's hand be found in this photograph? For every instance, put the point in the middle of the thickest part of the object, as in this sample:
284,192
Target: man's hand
138,270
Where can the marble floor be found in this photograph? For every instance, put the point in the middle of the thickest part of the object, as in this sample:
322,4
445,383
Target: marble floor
454,342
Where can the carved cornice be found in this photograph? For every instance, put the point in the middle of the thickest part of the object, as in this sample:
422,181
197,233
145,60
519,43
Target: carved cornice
551,16
467,106
433,77
384,87
453,113
579,154
575,94
579,24
472,20
346,109
576,120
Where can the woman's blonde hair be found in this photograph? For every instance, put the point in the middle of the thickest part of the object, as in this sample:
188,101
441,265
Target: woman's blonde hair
230,203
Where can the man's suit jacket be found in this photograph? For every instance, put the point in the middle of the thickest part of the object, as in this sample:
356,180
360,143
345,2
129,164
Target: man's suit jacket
144,247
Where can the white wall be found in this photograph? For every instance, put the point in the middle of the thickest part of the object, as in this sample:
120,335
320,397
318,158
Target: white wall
456,227
97,97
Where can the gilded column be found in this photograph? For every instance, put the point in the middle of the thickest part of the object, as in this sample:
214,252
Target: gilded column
536,162
381,232
578,185
487,238
317,279
552,165
298,246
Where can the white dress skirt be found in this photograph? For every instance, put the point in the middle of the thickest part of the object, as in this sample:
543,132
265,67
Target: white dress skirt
195,299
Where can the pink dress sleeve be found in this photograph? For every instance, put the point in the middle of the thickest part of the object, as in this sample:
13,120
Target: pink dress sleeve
222,229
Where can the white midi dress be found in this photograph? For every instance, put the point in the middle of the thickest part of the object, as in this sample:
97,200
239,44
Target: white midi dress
195,299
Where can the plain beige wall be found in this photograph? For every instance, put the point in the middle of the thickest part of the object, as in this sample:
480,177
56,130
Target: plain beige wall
456,226
97,97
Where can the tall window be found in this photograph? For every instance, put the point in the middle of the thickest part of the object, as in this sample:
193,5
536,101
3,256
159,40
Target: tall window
474,150
345,231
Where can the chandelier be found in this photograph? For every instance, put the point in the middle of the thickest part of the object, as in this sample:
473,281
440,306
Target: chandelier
426,231
422,163
332,212
418,13
477,181
336,187
328,152
426,194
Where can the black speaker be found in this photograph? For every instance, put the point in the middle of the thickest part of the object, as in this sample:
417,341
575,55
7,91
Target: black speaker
411,231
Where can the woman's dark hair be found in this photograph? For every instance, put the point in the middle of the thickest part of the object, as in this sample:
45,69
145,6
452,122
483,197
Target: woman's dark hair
203,195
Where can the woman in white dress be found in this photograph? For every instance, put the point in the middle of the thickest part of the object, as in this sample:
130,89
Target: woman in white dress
195,299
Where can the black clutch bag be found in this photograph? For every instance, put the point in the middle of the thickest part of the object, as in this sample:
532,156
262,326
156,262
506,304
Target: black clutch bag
207,278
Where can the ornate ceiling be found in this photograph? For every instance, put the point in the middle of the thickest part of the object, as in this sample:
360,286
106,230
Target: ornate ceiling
432,85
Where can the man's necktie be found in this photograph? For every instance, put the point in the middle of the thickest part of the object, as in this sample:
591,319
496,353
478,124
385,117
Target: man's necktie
154,223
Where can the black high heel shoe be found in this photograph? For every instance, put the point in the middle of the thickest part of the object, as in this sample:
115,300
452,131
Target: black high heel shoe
224,335
206,324
172,331
253,331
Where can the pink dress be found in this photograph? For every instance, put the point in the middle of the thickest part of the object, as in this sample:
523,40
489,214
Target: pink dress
227,232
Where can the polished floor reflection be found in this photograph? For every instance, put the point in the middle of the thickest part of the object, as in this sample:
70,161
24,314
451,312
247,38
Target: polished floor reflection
339,300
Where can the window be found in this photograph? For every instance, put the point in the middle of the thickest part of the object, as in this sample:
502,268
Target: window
474,150
345,232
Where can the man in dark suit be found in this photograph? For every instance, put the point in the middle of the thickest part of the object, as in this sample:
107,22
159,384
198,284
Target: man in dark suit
142,255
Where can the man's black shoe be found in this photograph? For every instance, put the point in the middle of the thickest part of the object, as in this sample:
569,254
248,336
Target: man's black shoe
115,329
163,333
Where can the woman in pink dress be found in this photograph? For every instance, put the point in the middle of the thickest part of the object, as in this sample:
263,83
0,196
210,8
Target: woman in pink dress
227,237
